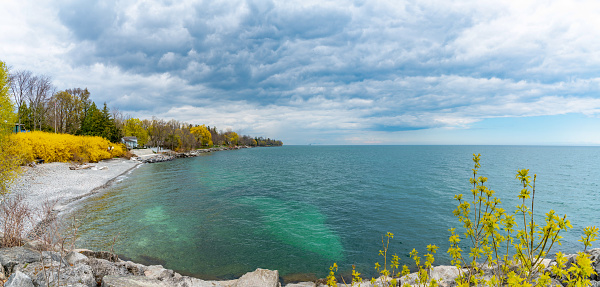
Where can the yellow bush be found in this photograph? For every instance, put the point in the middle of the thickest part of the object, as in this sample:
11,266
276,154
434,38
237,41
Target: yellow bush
64,147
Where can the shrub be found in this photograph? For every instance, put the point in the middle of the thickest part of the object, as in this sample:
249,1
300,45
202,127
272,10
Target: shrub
494,234
64,147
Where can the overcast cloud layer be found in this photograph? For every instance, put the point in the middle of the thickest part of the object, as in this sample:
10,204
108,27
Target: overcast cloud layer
334,72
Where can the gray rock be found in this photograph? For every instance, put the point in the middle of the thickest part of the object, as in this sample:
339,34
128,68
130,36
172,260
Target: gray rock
158,272
302,284
132,267
19,279
74,258
131,280
2,276
102,268
9,257
51,274
445,273
259,278
100,255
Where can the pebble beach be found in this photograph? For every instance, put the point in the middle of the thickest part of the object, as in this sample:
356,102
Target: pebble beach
56,182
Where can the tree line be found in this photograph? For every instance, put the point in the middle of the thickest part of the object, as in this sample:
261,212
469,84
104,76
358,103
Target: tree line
39,106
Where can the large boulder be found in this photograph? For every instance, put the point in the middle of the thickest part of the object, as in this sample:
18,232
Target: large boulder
19,279
102,268
10,257
52,273
132,267
74,258
260,277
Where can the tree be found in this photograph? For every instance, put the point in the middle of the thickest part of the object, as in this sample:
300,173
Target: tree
231,138
20,85
134,127
9,160
202,134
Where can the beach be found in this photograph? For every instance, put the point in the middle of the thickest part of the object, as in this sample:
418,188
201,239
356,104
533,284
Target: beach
56,182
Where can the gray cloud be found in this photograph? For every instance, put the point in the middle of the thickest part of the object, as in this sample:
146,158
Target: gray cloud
336,67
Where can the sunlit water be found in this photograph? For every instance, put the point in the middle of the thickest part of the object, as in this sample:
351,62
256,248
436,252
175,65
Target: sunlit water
298,209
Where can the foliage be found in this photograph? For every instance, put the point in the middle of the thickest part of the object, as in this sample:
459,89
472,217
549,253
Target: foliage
134,127
493,234
64,148
202,135
100,123
9,162
231,138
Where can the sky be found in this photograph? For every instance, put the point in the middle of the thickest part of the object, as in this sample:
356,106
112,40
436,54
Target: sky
328,72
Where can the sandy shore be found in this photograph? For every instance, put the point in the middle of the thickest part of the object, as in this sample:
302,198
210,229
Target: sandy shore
56,182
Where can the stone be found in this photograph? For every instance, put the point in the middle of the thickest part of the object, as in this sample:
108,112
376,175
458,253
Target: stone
157,272
132,281
19,279
302,284
35,245
446,273
9,257
259,277
50,274
102,268
132,267
100,255
74,258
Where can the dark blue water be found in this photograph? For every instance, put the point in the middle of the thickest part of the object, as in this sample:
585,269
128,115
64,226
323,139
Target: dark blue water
298,209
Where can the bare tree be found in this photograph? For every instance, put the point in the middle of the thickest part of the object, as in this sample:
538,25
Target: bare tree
20,85
40,90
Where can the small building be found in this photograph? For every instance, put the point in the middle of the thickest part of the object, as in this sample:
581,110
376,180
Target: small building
19,128
130,142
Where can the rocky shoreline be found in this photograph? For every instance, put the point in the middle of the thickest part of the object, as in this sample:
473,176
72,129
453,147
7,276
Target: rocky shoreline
170,155
30,267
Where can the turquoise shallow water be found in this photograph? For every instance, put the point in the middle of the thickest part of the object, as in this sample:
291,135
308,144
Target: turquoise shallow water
298,209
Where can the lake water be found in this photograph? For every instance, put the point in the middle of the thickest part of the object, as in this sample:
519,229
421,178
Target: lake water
299,209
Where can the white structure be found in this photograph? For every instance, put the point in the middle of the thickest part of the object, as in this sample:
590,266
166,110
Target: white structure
130,142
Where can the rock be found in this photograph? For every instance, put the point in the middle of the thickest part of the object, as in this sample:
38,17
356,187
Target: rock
131,280
99,254
35,245
9,257
158,272
74,258
102,268
260,277
19,279
133,268
50,274
446,273
303,284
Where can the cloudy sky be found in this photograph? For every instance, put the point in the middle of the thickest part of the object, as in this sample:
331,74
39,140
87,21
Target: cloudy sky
328,72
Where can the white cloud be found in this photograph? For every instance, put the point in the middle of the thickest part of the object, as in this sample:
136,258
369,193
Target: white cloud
317,69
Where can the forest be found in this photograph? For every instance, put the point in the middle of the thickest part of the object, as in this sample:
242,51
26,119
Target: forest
39,107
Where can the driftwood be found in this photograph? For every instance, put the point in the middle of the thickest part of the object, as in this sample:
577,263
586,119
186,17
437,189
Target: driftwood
78,167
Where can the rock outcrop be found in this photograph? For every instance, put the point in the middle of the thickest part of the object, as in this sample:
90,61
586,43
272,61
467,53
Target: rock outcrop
168,156
24,267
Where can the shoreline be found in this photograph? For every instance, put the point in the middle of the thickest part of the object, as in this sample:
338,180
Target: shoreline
66,185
